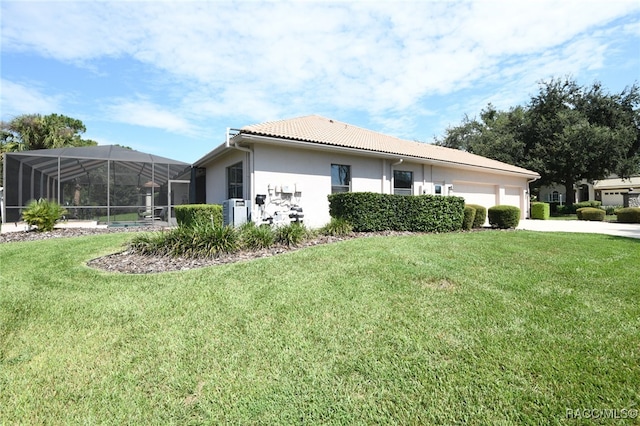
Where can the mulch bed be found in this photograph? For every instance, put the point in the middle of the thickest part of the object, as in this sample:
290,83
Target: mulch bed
132,263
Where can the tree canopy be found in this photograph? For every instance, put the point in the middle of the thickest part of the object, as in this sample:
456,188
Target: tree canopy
566,132
34,131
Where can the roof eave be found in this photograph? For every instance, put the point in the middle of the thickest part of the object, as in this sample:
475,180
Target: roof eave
249,137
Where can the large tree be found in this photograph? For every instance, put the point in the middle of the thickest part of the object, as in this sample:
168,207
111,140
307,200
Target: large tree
566,133
496,134
34,131
577,133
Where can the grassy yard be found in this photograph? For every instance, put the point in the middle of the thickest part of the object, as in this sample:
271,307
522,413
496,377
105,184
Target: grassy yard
479,328
607,218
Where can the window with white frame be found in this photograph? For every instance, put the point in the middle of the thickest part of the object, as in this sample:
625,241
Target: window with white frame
234,181
402,182
340,178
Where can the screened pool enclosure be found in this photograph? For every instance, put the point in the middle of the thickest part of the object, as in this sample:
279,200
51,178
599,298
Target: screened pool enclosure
107,184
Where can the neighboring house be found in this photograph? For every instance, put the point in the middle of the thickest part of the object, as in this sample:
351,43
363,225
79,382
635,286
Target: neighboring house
610,191
301,161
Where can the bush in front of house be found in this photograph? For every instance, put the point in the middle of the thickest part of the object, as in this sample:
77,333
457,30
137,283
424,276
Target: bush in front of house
540,210
469,216
591,213
373,212
481,215
628,215
43,214
572,209
256,237
291,235
611,210
337,227
189,214
199,240
504,217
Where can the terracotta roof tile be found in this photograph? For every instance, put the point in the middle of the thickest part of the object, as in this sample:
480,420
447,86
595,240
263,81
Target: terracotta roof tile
321,130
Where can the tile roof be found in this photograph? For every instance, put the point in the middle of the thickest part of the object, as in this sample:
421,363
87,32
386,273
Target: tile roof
632,182
321,130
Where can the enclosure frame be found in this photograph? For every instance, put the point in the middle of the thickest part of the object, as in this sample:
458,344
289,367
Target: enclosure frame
126,183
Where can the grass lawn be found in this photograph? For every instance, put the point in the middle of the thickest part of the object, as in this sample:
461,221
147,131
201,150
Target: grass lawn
479,328
607,218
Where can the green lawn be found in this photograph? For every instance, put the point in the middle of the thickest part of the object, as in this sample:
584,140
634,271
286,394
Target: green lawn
480,328
607,218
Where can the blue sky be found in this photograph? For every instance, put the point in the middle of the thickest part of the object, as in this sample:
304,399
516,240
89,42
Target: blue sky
168,77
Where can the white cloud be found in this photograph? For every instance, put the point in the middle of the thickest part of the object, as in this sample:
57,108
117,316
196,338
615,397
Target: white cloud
146,114
17,98
266,60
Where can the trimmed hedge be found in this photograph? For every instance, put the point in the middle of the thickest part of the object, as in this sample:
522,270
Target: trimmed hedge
572,209
469,216
628,215
540,210
371,212
481,215
190,214
579,212
591,213
504,217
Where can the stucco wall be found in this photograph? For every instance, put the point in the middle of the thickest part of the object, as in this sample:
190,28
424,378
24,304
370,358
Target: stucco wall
216,176
307,173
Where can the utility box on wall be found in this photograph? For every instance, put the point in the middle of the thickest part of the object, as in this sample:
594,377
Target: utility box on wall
235,212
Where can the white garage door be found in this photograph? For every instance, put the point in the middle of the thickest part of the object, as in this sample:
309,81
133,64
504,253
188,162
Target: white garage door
485,195
512,197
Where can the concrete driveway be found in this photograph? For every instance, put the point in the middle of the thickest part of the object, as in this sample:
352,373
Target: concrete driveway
631,230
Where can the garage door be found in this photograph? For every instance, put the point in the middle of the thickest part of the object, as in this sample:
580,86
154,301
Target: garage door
485,195
512,197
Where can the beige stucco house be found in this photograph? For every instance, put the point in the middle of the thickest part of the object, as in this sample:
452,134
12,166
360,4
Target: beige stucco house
610,191
296,163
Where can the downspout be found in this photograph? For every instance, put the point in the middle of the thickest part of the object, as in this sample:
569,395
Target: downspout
528,192
250,167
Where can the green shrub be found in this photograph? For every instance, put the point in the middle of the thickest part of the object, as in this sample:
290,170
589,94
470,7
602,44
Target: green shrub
291,235
256,237
540,210
337,227
591,203
504,217
591,213
199,240
189,214
572,209
481,215
579,212
43,214
371,212
611,210
628,215
469,216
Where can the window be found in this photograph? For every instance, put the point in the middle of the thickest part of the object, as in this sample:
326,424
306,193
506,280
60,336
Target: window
234,181
438,189
402,182
340,178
